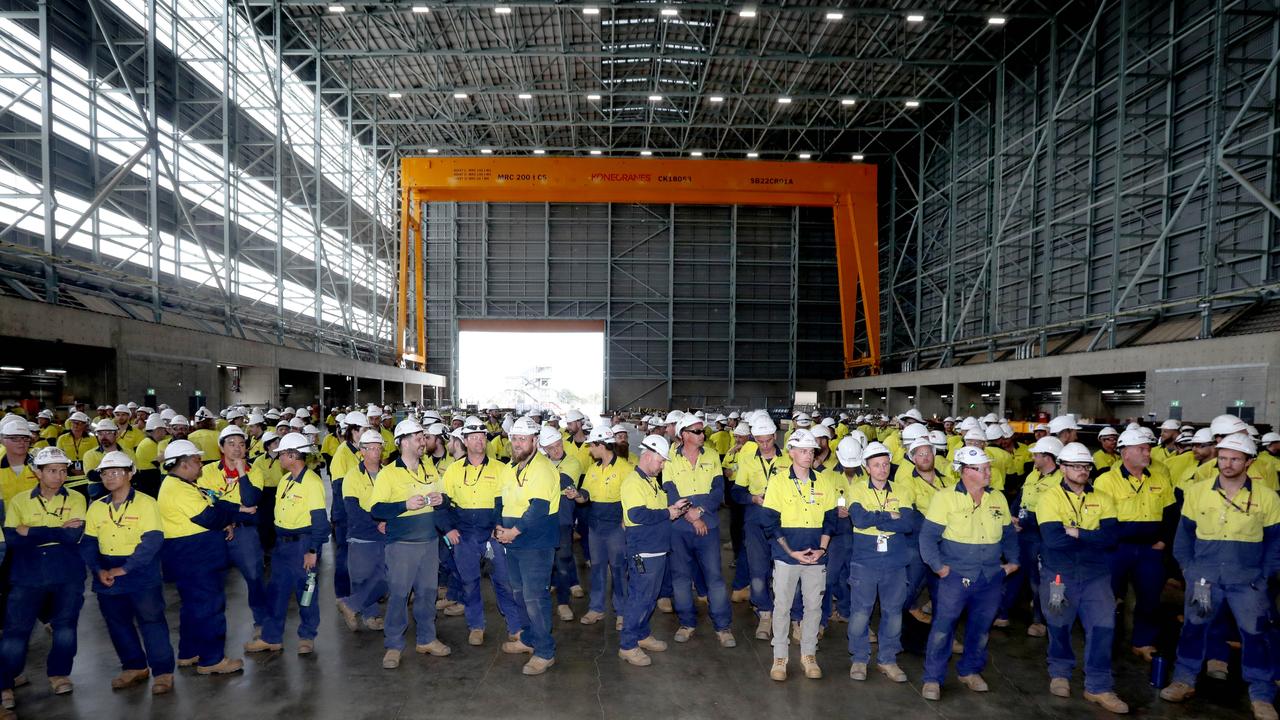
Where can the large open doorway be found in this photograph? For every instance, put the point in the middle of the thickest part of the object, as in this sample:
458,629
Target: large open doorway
557,365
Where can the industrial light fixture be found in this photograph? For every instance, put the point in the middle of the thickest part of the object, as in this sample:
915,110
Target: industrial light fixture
593,97
11,368
459,96
997,20
716,99
596,152
288,385
784,101
847,102
670,12
915,18
56,371
856,157
805,156
752,155
696,153
502,10
539,151
913,104
525,96
395,95
486,151
747,13
646,153
337,8
433,151
834,16
590,11
655,98
421,9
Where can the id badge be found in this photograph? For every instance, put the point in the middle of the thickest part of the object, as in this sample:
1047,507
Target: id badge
882,543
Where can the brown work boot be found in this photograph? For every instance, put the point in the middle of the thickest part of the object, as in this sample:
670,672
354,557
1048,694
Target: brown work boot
795,631
974,682
455,610
537,665
189,662
1263,710
516,647
931,691
1177,692
1216,669
664,604
1000,623
1060,687
1037,630
348,615
565,612
811,668
226,667
129,678
858,671
740,596
374,623
893,672
60,684
391,660
591,618
836,617
6,699
779,670
764,629
306,646
1146,652
257,646
872,637
727,640
652,644
617,623
636,656
683,634
162,685
921,616
577,591
443,603
476,636
1109,701
434,648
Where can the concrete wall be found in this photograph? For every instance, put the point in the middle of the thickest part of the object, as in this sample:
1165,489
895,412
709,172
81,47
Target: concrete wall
1198,379
179,363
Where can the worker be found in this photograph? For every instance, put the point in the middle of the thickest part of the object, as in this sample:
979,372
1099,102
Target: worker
75,444
49,430
1169,431
647,515
302,527
1228,545
204,436
741,584
798,516
332,439
406,496
147,456
565,577
343,459
967,539
529,530
255,426
751,481
926,475
17,472
694,474
884,520
837,603
601,493
721,439
231,479
179,428
1147,517
471,490
107,435
267,467
1106,456
1204,458
194,558
366,537
1064,428
121,546
1044,476
1079,530
42,528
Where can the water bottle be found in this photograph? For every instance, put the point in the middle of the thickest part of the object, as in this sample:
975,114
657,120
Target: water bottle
309,593
1057,594
1157,671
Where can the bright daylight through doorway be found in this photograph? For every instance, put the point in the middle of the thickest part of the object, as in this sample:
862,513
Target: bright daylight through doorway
553,370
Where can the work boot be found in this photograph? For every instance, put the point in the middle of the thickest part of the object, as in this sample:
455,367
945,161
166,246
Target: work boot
779,670
1217,669
740,596
1112,702
257,632
444,603
577,591
636,656
764,629
1263,710
60,684
858,671
1146,652
476,636
537,665
565,612
21,681
129,678
441,592
931,691
664,604
6,699
702,600
957,647
226,667
811,668
374,623
348,615
727,640
683,633
921,616
893,672
1037,630
257,646
591,618
516,647
187,662
306,646
1000,623
162,685
391,660
434,648
1060,687
455,610
974,682
1177,692
652,644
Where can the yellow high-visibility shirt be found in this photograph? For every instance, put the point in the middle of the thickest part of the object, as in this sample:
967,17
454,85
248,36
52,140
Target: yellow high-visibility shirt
119,530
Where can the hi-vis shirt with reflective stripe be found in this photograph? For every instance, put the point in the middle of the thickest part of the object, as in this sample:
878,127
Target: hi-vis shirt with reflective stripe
755,473
894,497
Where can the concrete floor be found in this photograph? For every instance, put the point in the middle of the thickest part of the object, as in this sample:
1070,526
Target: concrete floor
344,679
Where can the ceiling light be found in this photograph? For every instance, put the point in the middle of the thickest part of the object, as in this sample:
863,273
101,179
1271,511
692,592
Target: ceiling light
805,156
833,16
856,157
915,18
432,151
655,98
486,151
913,103
696,153
232,367
459,96
502,10
337,8
716,98
996,20
288,385
670,12
395,95
747,13
847,102
525,96
784,101
539,151
597,152
590,11
55,371
753,155
11,368
421,9
646,153
593,97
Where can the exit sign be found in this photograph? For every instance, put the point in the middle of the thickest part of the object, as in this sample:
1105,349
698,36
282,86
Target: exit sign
1175,403
198,393
1239,403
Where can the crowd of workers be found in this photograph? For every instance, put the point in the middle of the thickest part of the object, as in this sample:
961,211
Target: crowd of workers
855,519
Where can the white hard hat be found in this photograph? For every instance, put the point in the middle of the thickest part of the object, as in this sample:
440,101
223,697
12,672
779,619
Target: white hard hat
524,425
621,428
734,415
1075,453
1063,422
1270,437
204,413
602,434
920,442
673,417
78,416
912,414
548,436
295,441
16,427
167,414
179,421
373,411
369,437
1133,438
472,425
436,428
428,416
235,412
256,418
355,418
179,449
1040,427
913,432
975,434
873,449
297,423
574,415
1170,424
939,439
268,437
155,422
271,414
803,420
993,432
828,422
51,456
802,439
105,425
656,444
971,456
116,459
1108,432
1239,443
230,431
821,430
860,436
46,414
849,453
1227,424
687,422
1253,432
1047,445
1203,436
742,429
761,426
121,408
407,426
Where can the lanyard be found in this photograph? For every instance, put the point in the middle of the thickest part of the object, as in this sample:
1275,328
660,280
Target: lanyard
813,479
466,474
885,502
45,508
1137,489
520,473
291,482
123,510
1076,510
768,470
1248,504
